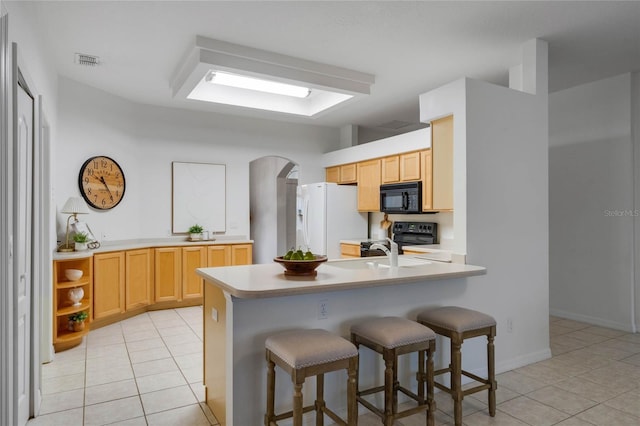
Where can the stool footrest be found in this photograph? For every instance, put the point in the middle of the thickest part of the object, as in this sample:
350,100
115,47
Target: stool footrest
371,390
476,389
289,414
408,412
474,377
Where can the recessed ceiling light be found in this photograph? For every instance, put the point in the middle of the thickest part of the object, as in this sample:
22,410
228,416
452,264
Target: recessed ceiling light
320,86
251,83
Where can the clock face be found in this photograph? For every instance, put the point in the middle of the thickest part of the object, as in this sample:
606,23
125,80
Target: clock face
101,182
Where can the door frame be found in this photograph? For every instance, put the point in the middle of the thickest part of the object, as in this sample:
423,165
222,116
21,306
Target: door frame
6,226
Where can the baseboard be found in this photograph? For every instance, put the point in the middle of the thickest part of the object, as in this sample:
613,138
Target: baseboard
592,320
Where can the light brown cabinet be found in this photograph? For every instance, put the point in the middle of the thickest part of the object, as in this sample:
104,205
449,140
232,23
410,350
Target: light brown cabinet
138,278
192,258
442,164
332,174
108,284
427,180
343,174
241,254
218,256
168,273
369,177
63,336
410,166
401,167
390,169
349,250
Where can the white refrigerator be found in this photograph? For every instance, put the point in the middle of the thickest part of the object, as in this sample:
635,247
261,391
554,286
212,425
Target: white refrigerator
328,213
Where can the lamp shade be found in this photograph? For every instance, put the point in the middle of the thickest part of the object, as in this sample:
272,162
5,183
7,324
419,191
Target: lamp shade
75,205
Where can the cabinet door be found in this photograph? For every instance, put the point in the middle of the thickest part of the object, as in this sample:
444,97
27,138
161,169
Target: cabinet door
410,166
391,169
138,277
241,254
192,258
442,151
108,284
427,181
349,250
218,256
168,273
348,173
369,186
332,174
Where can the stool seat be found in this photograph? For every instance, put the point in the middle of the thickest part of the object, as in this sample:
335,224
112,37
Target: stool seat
392,332
392,337
455,318
306,348
307,353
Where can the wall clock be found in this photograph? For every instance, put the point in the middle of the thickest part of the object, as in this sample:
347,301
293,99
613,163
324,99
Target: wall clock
101,182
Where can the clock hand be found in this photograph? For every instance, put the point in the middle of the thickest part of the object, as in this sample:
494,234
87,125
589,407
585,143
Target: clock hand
106,186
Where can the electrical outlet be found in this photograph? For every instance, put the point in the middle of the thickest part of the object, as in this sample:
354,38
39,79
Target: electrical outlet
214,314
509,325
323,309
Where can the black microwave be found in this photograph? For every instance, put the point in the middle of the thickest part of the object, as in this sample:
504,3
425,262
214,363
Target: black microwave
403,197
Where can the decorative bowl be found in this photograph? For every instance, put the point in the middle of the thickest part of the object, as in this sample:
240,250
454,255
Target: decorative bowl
73,274
301,267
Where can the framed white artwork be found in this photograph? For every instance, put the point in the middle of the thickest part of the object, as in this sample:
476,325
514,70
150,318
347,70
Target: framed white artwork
198,196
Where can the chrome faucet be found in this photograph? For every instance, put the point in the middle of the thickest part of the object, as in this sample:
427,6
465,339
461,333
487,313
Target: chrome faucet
391,254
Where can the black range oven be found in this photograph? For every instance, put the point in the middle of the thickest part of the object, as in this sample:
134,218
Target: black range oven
404,234
414,234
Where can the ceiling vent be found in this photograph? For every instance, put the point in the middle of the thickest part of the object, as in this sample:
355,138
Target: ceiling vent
87,60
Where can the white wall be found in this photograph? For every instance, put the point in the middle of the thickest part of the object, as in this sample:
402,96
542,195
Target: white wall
145,139
500,209
591,186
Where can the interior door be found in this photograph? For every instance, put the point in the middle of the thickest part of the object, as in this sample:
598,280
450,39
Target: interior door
22,237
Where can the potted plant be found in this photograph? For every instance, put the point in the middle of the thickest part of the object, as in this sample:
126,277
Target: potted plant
195,232
76,320
81,239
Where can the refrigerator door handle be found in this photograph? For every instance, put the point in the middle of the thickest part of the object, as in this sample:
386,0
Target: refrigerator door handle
305,221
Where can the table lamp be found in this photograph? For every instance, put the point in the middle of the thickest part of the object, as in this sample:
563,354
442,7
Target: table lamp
73,207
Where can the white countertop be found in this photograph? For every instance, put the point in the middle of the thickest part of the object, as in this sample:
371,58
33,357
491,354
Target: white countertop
269,280
107,246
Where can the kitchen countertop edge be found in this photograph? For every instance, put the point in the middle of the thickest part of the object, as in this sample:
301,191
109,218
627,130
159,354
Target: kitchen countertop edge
330,278
146,243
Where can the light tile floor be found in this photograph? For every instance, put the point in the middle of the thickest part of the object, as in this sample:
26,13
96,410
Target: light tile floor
147,371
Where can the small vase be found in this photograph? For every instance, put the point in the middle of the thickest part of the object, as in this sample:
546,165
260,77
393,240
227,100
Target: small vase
81,246
195,236
78,325
75,295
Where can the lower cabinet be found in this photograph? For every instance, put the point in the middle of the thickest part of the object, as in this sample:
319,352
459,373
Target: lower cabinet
138,278
241,254
108,284
349,250
218,256
192,258
168,274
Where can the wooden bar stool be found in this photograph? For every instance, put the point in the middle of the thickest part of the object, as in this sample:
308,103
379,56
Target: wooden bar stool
307,353
391,337
458,324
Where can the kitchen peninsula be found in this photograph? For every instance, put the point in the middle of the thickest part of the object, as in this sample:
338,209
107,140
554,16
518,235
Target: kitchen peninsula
245,304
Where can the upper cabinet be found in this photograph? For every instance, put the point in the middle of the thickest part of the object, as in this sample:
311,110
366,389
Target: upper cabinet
369,177
343,174
442,163
433,166
390,169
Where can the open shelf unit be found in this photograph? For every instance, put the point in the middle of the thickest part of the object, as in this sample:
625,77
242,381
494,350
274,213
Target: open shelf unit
64,336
